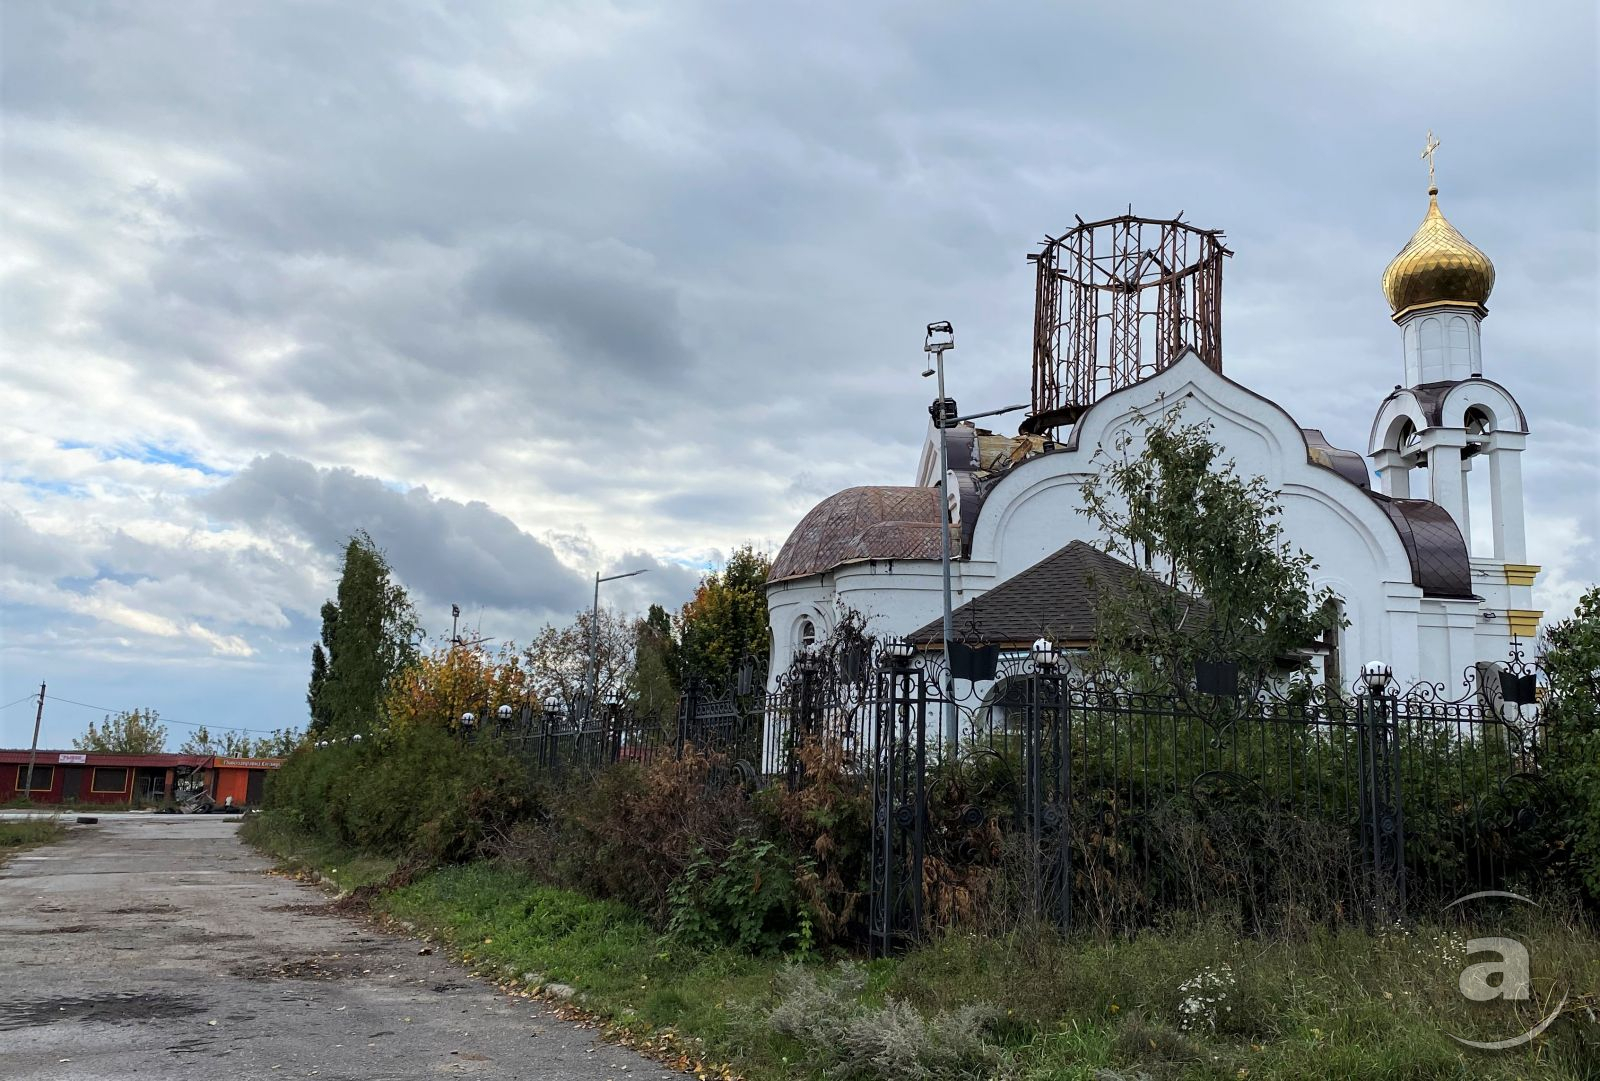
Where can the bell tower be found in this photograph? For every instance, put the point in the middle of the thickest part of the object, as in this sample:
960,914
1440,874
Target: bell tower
1446,418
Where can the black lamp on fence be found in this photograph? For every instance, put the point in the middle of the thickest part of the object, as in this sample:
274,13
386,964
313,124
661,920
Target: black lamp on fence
1377,675
1046,657
503,714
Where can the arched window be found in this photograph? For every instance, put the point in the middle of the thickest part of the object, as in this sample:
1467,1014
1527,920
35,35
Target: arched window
806,635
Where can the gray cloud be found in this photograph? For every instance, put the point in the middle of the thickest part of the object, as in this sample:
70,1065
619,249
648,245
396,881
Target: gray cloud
450,552
603,305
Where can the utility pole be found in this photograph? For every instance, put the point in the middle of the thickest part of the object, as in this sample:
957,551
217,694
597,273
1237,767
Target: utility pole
33,751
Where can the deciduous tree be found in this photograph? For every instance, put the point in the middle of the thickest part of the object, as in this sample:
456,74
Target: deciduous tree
1570,657
558,658
1225,584
726,619
654,690
230,744
441,685
280,744
133,731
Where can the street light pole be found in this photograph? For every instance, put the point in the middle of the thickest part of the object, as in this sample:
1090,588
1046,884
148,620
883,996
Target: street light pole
941,336
594,638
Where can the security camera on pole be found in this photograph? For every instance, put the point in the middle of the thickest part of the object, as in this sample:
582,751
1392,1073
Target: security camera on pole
941,337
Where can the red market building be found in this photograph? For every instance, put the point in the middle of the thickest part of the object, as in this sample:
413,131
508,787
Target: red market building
132,779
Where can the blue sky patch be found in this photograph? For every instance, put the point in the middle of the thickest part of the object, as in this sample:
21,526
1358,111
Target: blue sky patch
148,453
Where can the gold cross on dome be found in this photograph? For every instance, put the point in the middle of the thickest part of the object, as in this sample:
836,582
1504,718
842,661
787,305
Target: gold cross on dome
1427,152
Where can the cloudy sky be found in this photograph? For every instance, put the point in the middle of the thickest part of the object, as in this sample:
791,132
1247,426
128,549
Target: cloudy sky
530,289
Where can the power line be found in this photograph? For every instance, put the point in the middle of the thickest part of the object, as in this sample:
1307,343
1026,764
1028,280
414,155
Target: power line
164,720
29,697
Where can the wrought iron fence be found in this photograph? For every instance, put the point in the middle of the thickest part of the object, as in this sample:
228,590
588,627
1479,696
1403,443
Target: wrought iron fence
1080,799
1120,804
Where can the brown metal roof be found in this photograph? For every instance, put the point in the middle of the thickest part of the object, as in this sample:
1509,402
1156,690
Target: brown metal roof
875,522
1056,597
1433,543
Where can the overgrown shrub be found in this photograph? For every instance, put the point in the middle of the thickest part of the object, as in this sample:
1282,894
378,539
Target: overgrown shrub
629,832
891,1042
825,821
419,793
747,899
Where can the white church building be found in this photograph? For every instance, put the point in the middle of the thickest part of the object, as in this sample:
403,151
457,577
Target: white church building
1127,324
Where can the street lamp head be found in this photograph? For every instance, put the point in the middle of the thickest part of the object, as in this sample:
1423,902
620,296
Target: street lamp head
613,698
356,738
1376,675
504,712
552,703
1045,655
468,719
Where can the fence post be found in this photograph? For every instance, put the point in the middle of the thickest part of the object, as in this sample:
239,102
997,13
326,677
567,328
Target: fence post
880,867
1047,797
1062,733
1382,817
899,808
688,707
803,721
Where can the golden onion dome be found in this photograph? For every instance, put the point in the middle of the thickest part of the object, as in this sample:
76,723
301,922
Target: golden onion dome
1437,265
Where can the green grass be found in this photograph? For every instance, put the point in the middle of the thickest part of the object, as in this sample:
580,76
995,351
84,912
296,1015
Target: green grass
1347,1005
18,834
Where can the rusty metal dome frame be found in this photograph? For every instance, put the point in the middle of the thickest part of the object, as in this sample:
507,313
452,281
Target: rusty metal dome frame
1116,301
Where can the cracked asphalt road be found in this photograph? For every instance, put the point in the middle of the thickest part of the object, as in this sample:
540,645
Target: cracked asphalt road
157,947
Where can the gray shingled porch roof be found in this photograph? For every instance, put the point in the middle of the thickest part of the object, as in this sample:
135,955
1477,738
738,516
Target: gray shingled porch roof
1055,597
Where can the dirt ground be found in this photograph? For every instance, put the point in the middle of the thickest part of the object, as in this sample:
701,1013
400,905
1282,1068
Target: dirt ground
158,947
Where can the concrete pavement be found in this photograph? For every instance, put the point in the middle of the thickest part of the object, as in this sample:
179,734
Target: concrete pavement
156,947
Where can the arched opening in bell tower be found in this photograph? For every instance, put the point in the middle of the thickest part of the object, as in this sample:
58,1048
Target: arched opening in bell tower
1478,494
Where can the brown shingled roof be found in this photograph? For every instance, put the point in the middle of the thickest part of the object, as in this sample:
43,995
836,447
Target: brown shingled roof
1057,595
